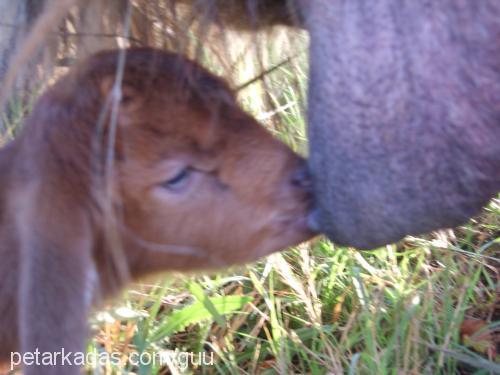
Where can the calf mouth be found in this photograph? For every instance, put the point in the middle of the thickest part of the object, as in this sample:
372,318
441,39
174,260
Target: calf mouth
297,226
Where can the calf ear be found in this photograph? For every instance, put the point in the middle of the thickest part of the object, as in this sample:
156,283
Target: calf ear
56,277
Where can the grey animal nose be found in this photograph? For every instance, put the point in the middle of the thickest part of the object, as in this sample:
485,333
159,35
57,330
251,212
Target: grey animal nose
301,179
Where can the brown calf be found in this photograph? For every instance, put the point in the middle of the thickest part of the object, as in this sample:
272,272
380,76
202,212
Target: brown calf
175,177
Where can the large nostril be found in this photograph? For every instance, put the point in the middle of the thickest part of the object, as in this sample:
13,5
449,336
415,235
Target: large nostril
301,179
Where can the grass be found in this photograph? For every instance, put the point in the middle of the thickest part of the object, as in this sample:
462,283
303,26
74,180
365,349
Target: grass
317,308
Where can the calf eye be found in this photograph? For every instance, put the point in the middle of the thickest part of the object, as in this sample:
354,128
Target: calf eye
179,181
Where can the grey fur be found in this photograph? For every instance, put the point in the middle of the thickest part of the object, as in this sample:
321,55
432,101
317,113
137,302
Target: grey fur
404,115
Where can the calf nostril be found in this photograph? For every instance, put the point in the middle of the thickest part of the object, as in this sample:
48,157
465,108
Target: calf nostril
301,178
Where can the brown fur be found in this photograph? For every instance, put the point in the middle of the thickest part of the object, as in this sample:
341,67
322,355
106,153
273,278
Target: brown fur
245,196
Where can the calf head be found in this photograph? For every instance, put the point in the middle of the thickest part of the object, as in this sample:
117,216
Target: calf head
195,181
197,177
